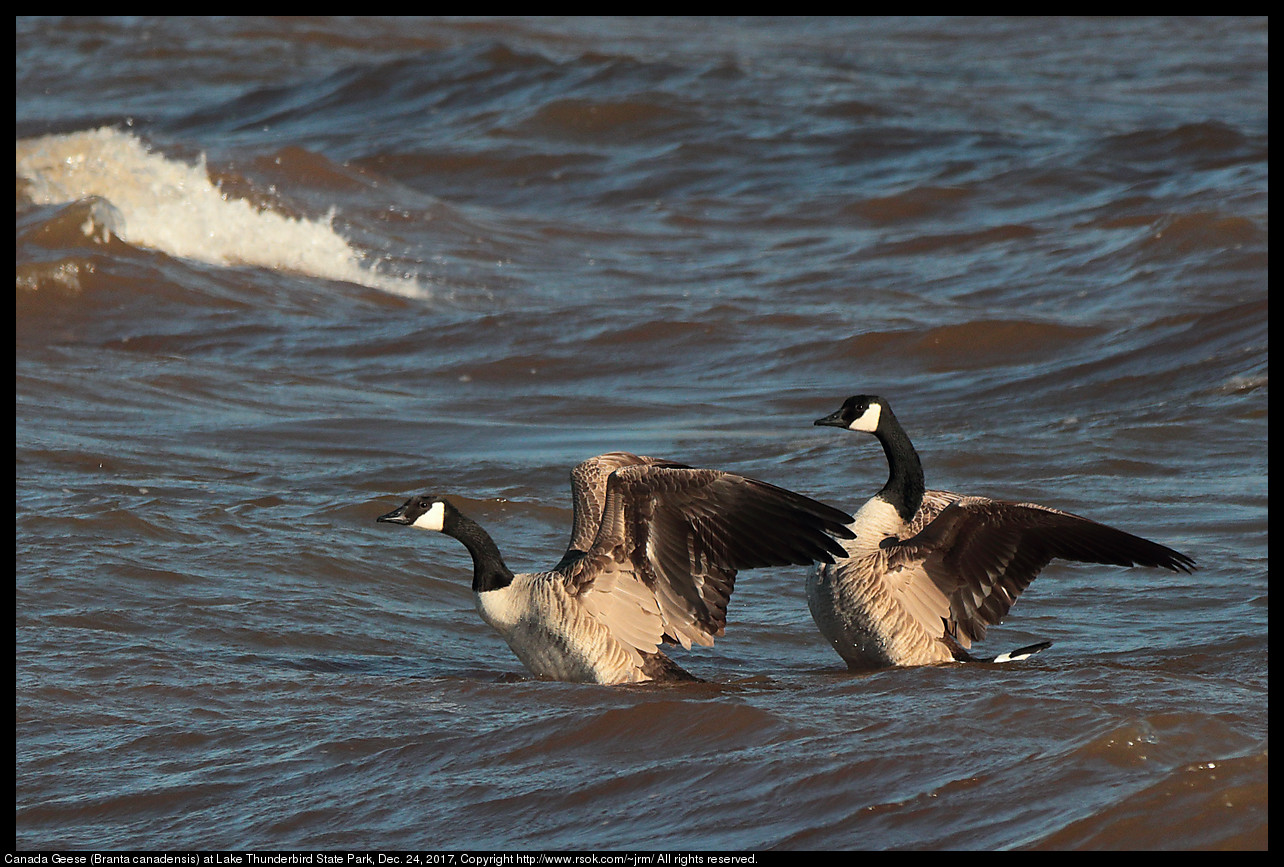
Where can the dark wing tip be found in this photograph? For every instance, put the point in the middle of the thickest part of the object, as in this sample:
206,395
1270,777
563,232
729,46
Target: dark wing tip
1179,562
736,521
792,529
1138,551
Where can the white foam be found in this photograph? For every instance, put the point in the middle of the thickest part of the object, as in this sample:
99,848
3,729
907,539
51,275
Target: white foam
167,205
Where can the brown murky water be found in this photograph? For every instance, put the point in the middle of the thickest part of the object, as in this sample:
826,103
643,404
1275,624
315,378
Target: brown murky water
275,275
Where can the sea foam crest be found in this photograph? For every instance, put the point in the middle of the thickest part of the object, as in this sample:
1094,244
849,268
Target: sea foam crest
170,206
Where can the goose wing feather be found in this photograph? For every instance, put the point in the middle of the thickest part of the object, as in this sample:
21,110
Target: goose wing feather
983,553
619,600
588,492
672,539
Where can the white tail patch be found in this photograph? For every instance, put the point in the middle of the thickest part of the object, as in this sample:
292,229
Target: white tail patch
1022,652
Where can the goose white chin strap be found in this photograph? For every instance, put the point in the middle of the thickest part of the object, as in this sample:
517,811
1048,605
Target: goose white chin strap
868,420
433,519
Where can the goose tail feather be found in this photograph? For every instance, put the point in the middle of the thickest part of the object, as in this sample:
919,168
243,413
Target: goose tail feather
1020,653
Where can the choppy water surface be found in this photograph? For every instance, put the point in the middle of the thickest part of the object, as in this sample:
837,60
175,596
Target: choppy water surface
275,275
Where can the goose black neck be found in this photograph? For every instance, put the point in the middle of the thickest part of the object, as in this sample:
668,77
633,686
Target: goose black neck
489,570
904,488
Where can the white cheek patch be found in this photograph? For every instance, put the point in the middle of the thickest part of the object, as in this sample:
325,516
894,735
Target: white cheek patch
433,519
868,420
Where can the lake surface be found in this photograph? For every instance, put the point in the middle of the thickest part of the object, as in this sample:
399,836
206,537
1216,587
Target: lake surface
275,275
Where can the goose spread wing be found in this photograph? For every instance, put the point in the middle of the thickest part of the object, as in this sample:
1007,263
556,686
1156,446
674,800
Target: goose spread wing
675,537
983,553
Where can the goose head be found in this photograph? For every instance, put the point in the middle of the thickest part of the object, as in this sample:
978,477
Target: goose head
860,412
424,511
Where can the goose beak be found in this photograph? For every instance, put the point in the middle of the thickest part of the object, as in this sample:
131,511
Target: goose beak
834,419
396,516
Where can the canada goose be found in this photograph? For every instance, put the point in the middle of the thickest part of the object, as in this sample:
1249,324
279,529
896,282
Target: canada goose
928,571
654,550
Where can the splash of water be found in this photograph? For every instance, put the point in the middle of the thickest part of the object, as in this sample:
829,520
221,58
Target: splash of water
167,205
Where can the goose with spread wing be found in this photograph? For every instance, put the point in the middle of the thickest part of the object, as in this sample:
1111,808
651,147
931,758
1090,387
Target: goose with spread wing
928,571
654,551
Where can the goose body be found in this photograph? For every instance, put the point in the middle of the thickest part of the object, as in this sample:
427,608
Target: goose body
928,571
654,551
552,632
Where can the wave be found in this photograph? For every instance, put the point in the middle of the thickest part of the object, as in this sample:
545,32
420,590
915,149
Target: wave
154,202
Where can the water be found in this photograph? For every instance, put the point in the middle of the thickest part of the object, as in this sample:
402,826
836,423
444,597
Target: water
273,276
